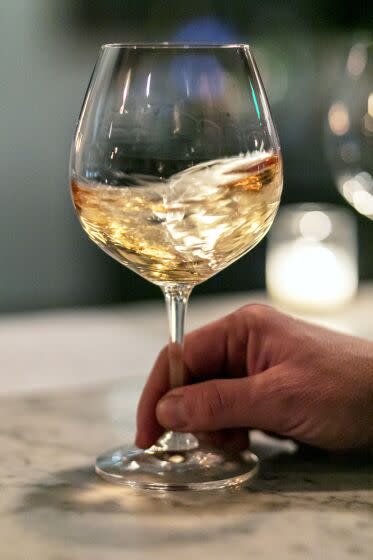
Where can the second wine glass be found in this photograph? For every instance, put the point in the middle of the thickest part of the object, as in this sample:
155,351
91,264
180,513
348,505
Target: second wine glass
349,130
176,172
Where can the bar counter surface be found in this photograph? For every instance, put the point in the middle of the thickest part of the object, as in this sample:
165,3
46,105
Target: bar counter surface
70,384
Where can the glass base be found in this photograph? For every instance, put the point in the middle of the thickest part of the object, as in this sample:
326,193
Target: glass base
201,468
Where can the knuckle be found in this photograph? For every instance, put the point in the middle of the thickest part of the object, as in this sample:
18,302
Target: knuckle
258,313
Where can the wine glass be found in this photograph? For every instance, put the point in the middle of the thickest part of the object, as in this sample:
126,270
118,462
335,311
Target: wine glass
176,172
349,130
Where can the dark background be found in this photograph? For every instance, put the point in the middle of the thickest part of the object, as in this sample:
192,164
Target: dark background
47,51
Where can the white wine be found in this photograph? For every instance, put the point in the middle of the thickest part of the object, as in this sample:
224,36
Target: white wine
188,227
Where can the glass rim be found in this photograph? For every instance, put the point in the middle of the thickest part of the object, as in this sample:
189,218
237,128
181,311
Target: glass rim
170,45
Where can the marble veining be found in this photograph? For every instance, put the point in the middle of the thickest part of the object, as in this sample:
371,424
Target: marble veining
304,504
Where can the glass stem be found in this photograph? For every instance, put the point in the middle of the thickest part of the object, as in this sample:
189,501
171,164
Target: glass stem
176,297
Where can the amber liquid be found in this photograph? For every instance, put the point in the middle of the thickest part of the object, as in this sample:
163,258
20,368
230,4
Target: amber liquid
188,227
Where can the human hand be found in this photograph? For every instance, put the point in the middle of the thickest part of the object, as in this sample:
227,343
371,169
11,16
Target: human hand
258,368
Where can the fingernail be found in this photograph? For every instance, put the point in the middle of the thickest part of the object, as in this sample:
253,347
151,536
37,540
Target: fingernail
171,412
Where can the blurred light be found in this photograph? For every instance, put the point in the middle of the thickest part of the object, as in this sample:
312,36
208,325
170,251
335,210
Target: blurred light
81,119
370,104
99,494
206,30
311,275
125,91
315,226
311,261
148,82
114,152
358,190
187,87
363,202
202,75
357,60
365,180
176,459
349,188
78,141
339,120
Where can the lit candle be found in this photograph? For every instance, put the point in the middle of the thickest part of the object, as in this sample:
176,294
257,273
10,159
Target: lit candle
312,266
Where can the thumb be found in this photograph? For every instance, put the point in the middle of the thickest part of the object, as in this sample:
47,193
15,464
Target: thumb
260,401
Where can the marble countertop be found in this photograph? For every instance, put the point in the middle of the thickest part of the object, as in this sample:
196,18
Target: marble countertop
60,408
302,505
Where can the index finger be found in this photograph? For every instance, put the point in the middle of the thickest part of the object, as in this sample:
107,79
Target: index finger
214,350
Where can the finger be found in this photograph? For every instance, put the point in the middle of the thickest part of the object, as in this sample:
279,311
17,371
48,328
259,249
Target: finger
148,428
204,353
262,401
214,350
218,348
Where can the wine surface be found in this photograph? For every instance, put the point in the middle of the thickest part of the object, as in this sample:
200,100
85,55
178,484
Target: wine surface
188,227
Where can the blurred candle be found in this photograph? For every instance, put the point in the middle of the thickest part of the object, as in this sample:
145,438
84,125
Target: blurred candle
312,258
